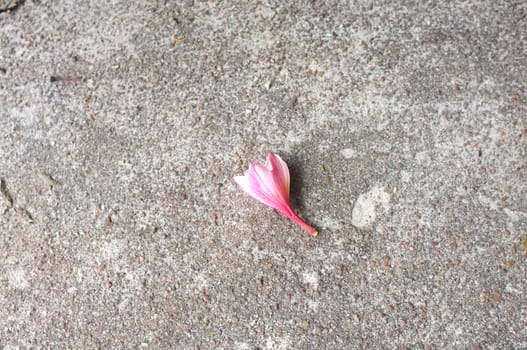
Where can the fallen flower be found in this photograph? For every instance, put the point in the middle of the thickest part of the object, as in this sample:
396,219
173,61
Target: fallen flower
269,184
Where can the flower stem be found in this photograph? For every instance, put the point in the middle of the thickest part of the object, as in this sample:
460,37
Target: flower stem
309,229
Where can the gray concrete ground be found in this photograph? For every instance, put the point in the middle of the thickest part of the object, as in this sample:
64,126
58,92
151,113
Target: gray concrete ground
123,123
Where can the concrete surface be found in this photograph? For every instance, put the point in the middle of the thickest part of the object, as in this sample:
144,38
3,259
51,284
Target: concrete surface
122,124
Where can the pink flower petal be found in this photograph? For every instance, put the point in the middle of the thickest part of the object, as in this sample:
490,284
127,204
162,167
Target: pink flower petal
252,189
281,171
269,184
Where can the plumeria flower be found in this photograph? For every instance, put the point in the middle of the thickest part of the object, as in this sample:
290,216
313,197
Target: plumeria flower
269,184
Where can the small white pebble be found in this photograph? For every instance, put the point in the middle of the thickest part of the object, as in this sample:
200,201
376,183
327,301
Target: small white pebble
348,153
364,211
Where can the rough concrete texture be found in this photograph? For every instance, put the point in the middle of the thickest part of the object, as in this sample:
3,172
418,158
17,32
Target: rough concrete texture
122,124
